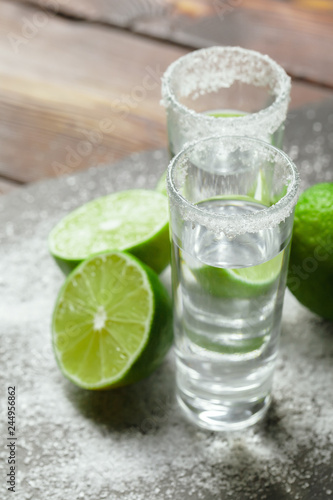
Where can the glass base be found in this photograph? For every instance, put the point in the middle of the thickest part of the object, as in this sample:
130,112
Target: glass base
223,416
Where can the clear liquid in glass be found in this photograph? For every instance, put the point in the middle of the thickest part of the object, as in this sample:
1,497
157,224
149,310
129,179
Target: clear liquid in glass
228,296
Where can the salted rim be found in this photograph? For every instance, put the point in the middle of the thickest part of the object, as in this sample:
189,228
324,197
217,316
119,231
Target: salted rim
282,78
233,225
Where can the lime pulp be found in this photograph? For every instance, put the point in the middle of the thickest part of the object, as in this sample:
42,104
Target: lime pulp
111,323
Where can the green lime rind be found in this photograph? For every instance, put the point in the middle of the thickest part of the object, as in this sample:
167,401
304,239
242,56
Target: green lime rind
310,275
161,335
67,266
155,251
239,283
112,322
242,283
135,221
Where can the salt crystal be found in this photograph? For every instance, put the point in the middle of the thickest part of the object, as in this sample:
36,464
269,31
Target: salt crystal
94,442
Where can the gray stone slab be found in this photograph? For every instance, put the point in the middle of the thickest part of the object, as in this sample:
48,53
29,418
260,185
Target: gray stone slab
133,442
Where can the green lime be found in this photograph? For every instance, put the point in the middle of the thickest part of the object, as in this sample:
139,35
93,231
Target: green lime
112,323
134,220
240,283
310,276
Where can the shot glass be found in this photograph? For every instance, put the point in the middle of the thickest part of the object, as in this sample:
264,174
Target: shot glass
231,215
225,91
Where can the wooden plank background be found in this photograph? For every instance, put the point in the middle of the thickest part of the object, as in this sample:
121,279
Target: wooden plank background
298,33
75,93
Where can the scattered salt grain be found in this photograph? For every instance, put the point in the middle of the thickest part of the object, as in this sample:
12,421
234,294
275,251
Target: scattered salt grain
133,443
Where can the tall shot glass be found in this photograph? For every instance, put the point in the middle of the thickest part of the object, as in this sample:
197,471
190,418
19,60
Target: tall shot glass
225,91
231,214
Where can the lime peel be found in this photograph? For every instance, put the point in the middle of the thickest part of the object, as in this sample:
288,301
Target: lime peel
135,221
125,330
310,276
246,282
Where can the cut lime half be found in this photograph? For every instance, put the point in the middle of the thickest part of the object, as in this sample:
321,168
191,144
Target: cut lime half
112,323
134,220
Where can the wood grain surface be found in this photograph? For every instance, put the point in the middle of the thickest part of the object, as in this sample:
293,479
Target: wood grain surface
76,94
297,33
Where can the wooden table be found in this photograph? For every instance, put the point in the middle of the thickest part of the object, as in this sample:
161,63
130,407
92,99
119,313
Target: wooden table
80,79
80,86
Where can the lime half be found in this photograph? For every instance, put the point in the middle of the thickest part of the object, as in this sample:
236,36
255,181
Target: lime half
112,323
240,283
134,220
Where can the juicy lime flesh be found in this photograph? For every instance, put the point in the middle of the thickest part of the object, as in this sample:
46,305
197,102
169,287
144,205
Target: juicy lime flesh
261,273
243,282
102,319
115,222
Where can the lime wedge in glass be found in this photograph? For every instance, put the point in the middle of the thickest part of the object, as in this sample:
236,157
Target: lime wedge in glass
112,323
134,220
248,283
240,283
225,114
